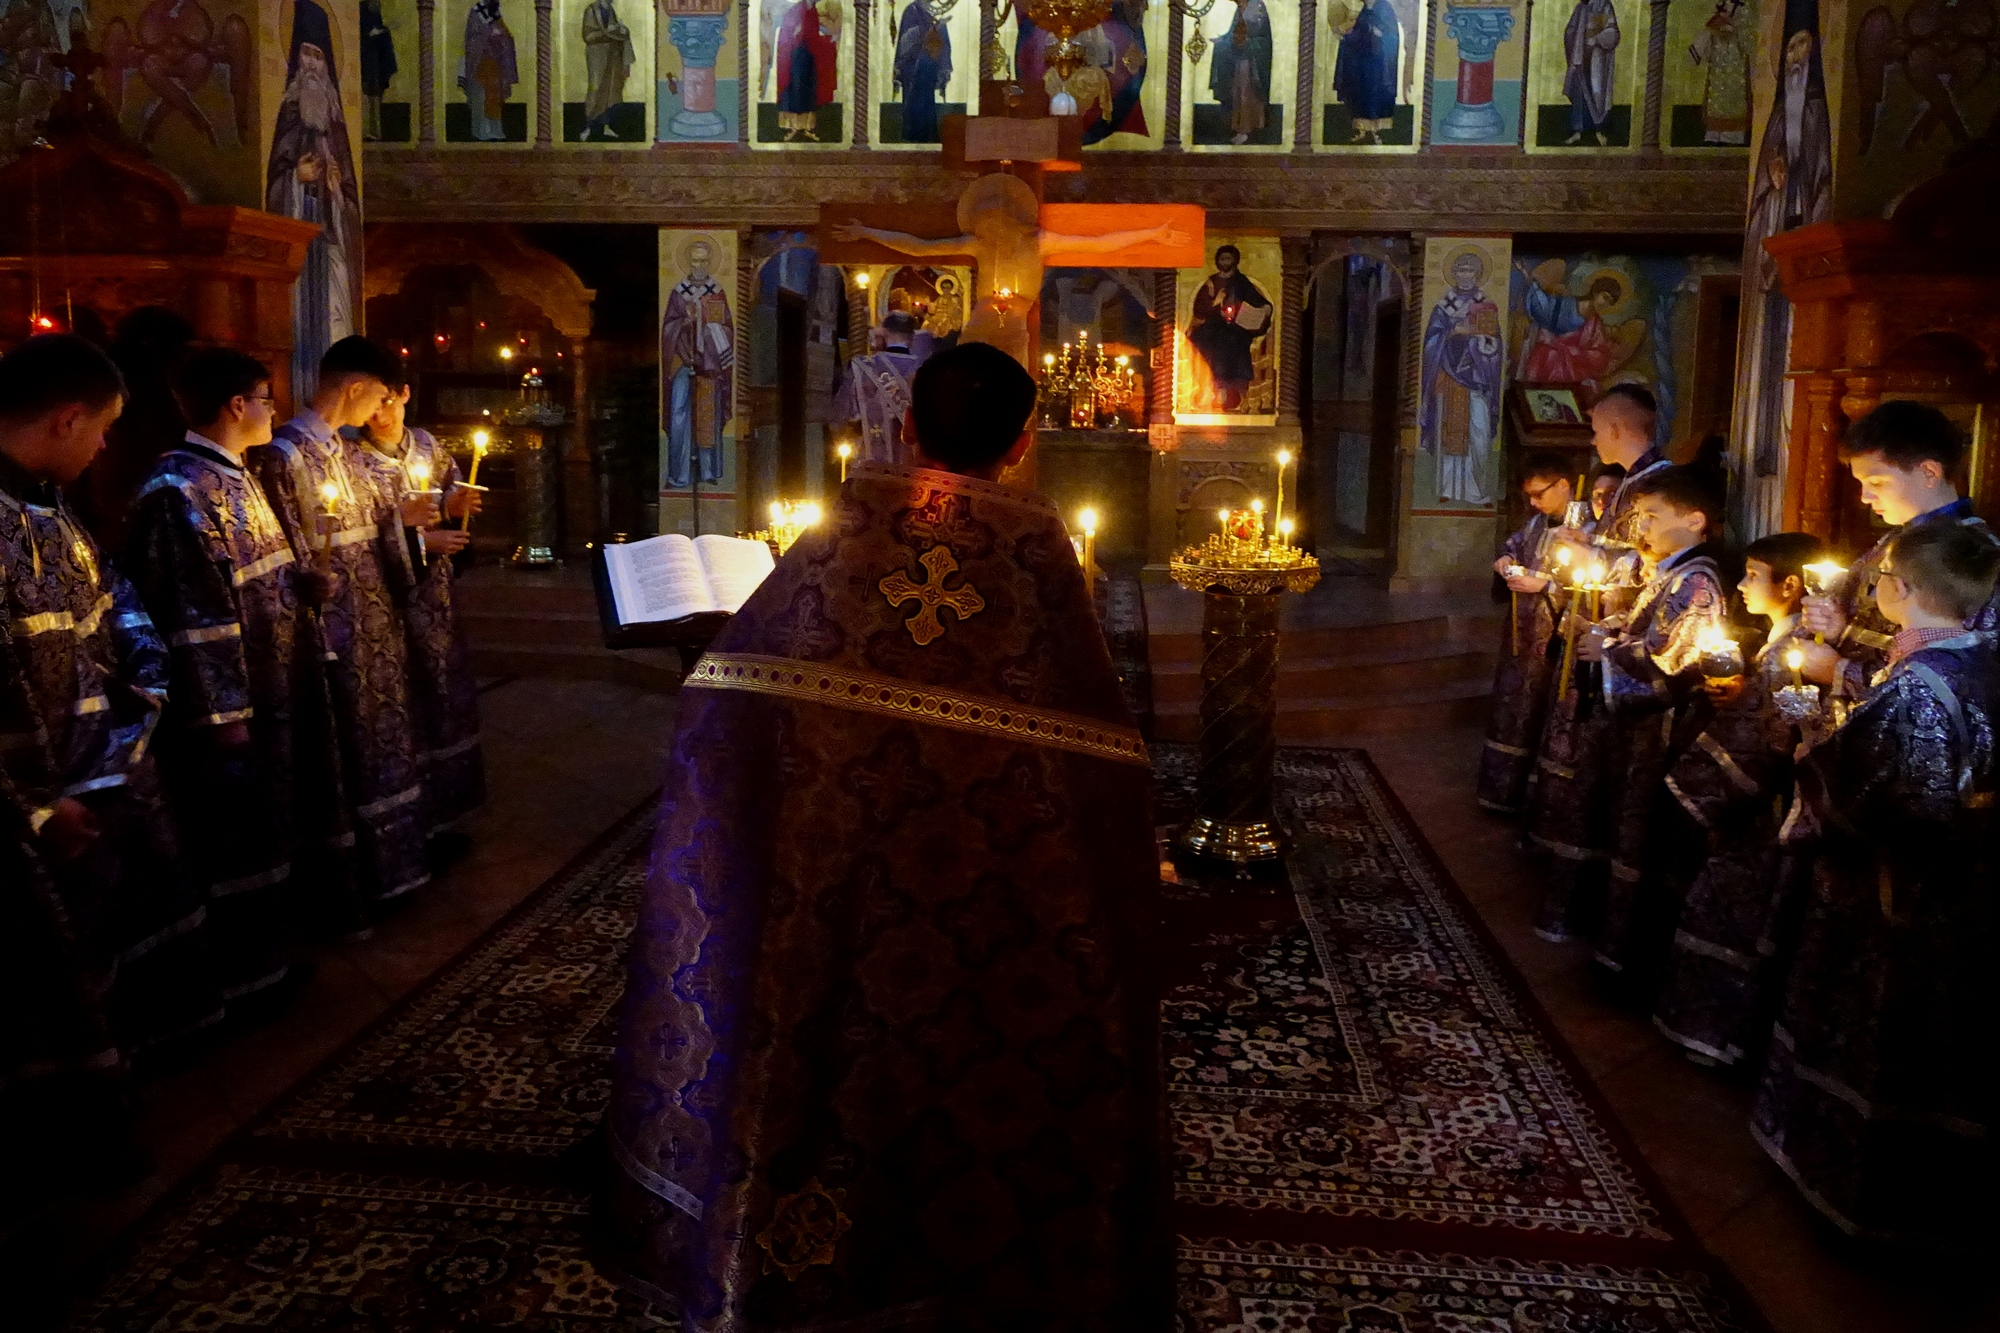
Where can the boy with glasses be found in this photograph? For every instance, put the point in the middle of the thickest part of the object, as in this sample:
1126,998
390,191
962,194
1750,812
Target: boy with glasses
1520,681
1878,1097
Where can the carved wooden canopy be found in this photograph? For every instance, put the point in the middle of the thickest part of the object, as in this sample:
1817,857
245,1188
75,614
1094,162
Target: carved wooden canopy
516,268
1907,306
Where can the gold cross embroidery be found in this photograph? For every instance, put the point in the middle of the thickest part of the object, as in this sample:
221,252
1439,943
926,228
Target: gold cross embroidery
924,626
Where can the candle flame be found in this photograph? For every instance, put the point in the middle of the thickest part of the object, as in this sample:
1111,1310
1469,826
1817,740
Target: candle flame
1256,506
329,493
1087,520
1284,458
846,451
777,511
861,281
1222,514
420,473
480,439
1284,527
1562,555
1713,638
809,515
1795,659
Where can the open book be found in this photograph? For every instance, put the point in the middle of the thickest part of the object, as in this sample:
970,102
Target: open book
672,577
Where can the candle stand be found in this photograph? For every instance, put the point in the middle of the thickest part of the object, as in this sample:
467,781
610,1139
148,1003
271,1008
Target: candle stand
1241,577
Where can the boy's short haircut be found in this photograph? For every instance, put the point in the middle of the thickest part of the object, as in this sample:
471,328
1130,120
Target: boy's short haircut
969,405
1950,567
1615,471
363,357
1786,554
56,370
1638,395
1544,469
212,377
1686,490
1906,434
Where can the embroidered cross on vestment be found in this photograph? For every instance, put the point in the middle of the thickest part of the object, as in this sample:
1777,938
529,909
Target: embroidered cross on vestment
932,596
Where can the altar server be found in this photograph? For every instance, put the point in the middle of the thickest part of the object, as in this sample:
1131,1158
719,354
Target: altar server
1652,673
219,578
101,947
1878,1098
335,517
1904,455
406,461
897,935
1521,680
1570,815
1732,786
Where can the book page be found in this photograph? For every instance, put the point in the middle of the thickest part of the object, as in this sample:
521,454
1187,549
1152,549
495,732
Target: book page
660,578
735,566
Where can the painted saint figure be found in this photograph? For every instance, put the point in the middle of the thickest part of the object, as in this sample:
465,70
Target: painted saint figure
807,59
1569,342
378,67
1239,73
1460,417
311,176
488,71
1228,318
1365,70
607,54
1590,48
923,68
1791,187
1724,48
698,367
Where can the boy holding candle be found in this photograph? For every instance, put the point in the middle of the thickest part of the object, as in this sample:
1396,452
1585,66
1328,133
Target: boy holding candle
1878,1097
407,462
379,807
1568,814
1652,670
1905,456
1730,789
1521,680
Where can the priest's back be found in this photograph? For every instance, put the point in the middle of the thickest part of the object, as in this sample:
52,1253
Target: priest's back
889,1044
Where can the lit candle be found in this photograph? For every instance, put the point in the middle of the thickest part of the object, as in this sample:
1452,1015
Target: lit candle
506,354
1278,511
1087,520
1796,660
420,475
809,515
1257,508
1223,514
861,281
329,495
480,439
1820,576
846,451
1285,532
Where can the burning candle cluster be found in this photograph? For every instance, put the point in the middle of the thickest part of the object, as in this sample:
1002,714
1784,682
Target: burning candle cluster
789,521
1085,388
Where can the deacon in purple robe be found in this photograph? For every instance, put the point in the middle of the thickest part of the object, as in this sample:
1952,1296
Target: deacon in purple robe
1521,681
887,1056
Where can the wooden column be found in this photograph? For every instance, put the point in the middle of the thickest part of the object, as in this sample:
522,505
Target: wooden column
1297,264
545,79
864,14
1656,76
427,71
746,74
1176,54
1304,110
1413,333
1430,55
579,499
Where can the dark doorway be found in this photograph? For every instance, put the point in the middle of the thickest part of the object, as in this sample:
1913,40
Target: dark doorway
1353,383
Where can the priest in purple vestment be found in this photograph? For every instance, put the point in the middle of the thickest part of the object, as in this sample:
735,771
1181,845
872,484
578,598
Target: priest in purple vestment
888,1051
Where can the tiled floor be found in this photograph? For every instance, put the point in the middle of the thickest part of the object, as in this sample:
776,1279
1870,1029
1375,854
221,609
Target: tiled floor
1689,1123
566,758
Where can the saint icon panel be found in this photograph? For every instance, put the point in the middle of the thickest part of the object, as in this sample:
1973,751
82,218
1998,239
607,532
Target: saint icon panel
1371,75
604,71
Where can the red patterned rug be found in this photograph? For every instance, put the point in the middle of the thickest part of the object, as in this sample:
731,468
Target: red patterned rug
1374,1128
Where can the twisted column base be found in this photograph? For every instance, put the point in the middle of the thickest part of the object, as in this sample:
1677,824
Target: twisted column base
1239,709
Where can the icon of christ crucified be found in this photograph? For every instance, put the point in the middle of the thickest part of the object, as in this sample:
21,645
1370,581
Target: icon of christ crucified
1002,232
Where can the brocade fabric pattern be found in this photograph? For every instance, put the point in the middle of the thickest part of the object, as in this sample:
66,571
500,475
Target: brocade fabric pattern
1878,1096
1521,679
444,698
366,664
217,575
1865,644
890,1024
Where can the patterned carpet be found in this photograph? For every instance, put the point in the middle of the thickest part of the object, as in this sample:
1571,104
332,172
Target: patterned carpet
1373,1128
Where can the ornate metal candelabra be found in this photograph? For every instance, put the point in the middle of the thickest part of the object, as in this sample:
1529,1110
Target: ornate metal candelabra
1240,573
1063,20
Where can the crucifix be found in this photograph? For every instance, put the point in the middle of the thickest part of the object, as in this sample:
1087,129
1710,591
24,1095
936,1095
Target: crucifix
1002,228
